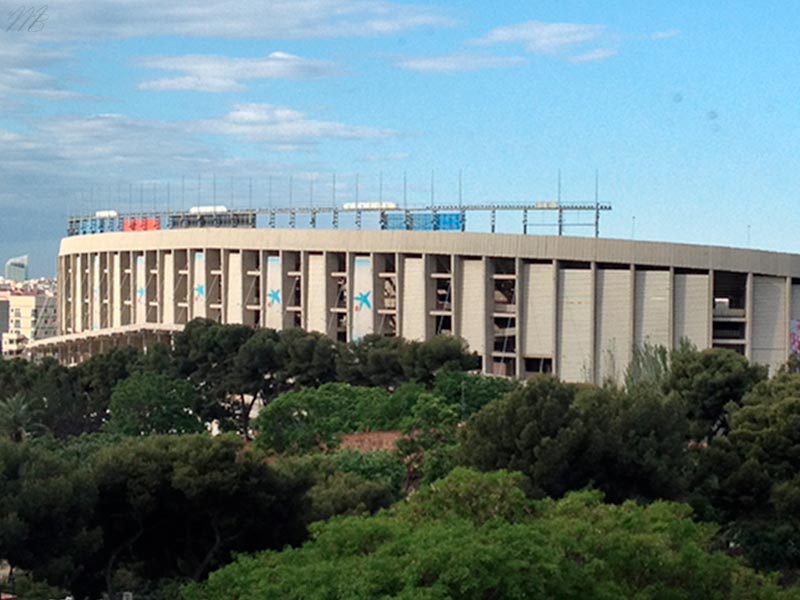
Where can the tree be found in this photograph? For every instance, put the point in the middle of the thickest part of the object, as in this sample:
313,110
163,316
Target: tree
429,447
205,353
649,366
271,363
534,430
46,506
423,360
375,360
345,482
470,392
748,480
18,417
96,379
343,493
148,403
476,536
635,443
53,394
313,418
707,381
628,443
177,506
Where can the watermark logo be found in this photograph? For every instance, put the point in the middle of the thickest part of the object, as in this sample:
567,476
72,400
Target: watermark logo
27,18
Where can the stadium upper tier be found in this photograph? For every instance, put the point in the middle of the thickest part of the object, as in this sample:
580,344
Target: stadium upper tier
576,307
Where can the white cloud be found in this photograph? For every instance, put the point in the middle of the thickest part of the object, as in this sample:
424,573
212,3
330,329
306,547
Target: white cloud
283,127
257,19
458,62
209,73
21,75
665,35
539,37
112,143
594,55
107,140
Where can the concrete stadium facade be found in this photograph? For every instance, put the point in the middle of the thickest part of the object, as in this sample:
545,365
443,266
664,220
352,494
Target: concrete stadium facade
575,307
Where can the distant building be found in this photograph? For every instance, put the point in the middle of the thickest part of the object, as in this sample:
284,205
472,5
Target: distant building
29,316
17,269
4,302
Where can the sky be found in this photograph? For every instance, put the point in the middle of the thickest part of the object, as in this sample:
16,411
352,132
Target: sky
687,111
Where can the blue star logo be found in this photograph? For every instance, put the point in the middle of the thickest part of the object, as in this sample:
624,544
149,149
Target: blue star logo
363,301
200,290
274,297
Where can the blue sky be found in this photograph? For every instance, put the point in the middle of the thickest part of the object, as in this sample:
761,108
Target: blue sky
689,111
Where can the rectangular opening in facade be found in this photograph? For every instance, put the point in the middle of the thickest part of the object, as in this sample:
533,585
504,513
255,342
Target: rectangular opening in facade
389,297
682,271
505,335
292,261
337,262
574,264
443,325
505,292
614,266
341,327
441,264
295,295
504,367
443,291
251,261
504,266
729,330
538,364
387,325
388,263
730,294
213,260
341,293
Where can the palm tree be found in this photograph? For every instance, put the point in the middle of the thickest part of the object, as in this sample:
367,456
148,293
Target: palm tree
17,417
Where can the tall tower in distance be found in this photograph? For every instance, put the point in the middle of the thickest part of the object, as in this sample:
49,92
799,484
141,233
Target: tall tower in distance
17,269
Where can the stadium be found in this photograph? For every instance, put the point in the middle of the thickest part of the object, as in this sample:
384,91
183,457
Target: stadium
576,307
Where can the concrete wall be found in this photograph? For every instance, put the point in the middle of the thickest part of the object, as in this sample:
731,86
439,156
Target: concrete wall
581,305
770,327
614,336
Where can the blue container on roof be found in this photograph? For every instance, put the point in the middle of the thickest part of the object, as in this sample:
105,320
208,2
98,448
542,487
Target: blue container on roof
395,221
422,221
448,222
